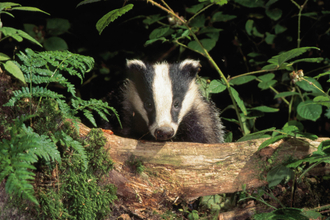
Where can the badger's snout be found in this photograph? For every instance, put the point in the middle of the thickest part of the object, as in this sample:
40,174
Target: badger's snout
164,133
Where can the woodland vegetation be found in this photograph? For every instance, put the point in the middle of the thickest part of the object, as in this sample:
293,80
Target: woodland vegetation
265,63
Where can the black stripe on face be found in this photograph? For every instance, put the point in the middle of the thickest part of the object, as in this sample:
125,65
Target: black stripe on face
181,79
143,80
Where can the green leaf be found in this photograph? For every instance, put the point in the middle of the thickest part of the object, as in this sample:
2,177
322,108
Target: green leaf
251,3
207,43
220,2
13,69
310,214
18,35
4,57
238,100
256,135
198,21
55,43
285,94
271,141
308,85
219,17
298,124
322,74
267,77
322,100
154,40
57,26
249,26
267,84
279,29
212,202
111,16
242,80
309,60
195,8
269,38
309,110
279,61
216,86
159,32
208,30
265,109
27,8
279,173
274,14
7,5
87,2
152,19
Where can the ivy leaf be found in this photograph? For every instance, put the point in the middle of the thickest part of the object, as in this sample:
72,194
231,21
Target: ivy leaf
111,16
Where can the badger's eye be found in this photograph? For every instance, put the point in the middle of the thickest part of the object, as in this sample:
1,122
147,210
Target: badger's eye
148,106
176,104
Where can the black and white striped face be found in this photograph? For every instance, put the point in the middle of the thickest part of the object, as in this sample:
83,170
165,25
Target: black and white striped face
162,94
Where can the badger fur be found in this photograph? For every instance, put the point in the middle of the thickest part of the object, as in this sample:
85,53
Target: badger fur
163,102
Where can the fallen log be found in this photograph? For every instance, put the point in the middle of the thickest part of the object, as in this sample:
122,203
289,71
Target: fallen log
178,170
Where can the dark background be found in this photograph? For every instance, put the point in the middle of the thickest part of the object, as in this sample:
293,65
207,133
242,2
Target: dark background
125,37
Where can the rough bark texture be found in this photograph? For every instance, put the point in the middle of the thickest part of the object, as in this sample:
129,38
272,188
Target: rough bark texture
177,170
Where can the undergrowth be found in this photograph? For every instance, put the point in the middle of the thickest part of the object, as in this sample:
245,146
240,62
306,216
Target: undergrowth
42,157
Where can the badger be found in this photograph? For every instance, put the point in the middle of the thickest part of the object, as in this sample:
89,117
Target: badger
162,102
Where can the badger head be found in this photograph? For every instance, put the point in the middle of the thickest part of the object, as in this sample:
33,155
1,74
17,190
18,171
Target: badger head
162,94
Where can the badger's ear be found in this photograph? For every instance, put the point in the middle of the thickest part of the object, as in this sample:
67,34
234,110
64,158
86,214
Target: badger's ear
136,65
191,67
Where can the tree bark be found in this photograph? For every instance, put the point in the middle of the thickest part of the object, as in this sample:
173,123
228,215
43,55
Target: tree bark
179,170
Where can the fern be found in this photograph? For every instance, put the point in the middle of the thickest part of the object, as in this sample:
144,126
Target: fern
74,64
50,67
93,104
36,92
17,156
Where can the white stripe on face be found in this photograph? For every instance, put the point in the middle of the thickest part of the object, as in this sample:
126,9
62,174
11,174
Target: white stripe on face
162,92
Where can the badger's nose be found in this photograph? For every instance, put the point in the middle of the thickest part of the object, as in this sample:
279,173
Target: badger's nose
164,133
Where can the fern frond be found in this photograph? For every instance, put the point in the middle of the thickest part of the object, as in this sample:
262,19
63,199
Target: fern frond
74,64
45,148
93,104
75,145
17,156
36,92
53,78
